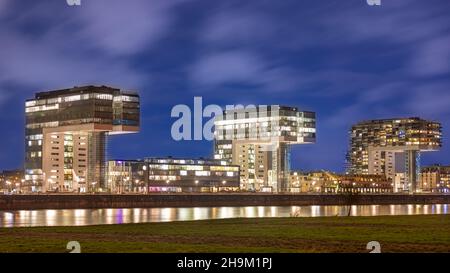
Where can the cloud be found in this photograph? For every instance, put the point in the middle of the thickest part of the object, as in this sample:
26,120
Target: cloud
405,28
3,96
242,68
346,116
41,65
227,68
430,99
383,92
125,27
417,30
228,27
344,59
432,58
398,22
49,46
4,5
250,45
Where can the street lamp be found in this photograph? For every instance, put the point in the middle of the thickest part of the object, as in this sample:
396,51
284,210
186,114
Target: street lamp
50,181
127,180
9,185
146,182
136,186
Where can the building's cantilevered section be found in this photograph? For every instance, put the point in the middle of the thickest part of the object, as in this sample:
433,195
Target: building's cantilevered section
66,135
392,147
258,139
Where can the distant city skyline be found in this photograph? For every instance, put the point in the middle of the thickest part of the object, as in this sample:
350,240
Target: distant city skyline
346,61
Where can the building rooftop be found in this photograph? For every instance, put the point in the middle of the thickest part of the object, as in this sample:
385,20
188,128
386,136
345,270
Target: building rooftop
80,90
435,167
174,160
265,107
401,119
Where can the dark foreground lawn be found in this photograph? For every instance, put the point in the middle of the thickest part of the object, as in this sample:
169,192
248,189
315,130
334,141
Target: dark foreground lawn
325,234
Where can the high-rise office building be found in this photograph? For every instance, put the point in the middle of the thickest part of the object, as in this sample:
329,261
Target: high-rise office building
258,140
392,147
65,136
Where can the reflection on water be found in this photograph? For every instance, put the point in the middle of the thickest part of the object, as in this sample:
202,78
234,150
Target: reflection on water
81,217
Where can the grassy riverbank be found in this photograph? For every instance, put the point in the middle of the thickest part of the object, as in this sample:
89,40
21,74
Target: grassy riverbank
427,233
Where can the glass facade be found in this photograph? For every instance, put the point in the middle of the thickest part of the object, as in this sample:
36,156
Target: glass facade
172,175
328,182
392,146
265,123
65,135
258,139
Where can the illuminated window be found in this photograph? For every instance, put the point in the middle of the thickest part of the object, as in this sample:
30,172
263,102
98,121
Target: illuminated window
72,98
202,173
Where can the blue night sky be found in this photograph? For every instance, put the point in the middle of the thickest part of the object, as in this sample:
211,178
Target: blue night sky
345,60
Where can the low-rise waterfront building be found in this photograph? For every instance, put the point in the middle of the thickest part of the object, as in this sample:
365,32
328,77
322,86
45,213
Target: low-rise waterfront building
370,183
328,182
304,182
172,175
435,178
11,181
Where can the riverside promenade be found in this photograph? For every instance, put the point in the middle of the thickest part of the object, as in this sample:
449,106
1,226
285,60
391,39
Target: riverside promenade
92,201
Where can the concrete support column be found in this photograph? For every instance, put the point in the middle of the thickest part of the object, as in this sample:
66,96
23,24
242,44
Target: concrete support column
96,176
283,166
412,163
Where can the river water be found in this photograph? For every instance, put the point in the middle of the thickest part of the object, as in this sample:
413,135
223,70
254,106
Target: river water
82,217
